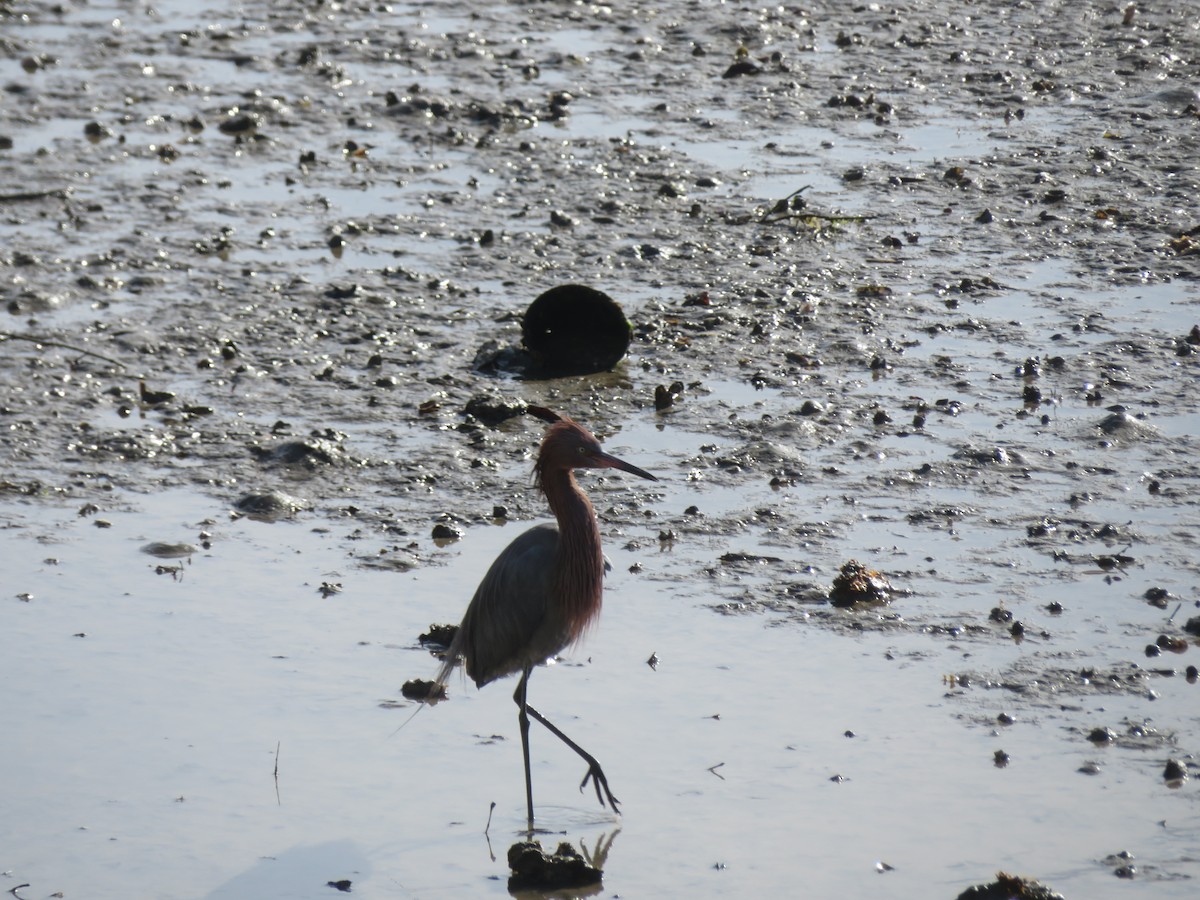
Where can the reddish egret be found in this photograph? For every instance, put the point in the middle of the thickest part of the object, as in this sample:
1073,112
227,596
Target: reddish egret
544,590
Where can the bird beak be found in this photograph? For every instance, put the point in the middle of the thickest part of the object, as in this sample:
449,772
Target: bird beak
607,461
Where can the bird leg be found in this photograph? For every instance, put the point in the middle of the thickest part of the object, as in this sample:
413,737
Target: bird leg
523,720
594,773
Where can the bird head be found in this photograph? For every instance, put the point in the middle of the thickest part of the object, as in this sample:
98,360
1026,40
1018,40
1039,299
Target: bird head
568,445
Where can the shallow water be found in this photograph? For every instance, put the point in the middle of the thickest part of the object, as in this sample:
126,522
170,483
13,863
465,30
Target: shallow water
146,749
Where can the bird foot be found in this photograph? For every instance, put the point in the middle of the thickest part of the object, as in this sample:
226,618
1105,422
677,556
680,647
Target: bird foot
596,776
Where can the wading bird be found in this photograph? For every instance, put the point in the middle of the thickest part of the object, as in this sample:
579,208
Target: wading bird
544,589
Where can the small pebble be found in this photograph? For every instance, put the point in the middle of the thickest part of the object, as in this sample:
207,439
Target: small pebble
1175,773
443,532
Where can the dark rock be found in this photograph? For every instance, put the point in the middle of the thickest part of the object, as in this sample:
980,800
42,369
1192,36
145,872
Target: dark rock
169,551
1175,773
491,410
856,584
310,453
573,329
439,635
665,397
269,507
443,532
425,691
532,869
745,67
1009,887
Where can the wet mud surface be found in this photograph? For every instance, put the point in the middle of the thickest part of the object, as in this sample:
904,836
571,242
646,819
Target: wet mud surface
914,285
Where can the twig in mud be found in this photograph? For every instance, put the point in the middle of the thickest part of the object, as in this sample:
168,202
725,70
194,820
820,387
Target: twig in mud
795,208
60,193
792,201
713,769
63,194
176,571
487,837
1178,607
34,339
278,802
807,217
13,891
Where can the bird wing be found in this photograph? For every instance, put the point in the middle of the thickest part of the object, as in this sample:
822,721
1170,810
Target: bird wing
511,621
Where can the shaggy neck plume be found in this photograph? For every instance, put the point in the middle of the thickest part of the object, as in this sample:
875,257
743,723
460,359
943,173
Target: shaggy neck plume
579,580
